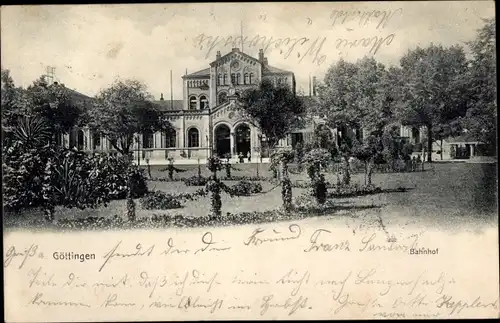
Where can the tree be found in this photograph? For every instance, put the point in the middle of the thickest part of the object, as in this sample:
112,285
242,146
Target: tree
124,110
432,84
274,110
366,152
120,112
340,107
481,117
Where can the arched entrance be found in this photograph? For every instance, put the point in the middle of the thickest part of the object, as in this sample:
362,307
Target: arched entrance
243,139
222,140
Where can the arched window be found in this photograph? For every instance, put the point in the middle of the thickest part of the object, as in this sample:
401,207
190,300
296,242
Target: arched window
193,138
246,79
169,139
250,78
219,79
225,79
233,78
238,78
203,102
192,103
222,98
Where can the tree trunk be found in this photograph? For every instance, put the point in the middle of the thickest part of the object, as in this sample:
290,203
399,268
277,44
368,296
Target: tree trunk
369,172
286,188
346,176
429,143
366,171
441,149
130,201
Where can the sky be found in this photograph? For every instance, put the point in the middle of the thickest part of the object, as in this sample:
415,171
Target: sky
91,46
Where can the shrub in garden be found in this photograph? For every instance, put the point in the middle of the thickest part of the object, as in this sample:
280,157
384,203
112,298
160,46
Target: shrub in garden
244,188
215,186
23,174
171,169
159,200
354,190
195,181
281,159
314,160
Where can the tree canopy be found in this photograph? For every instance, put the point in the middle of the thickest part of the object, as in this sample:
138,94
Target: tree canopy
123,110
275,110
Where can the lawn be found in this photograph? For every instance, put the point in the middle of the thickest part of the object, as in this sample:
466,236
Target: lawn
447,194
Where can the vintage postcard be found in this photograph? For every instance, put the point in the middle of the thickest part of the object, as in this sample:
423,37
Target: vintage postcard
249,161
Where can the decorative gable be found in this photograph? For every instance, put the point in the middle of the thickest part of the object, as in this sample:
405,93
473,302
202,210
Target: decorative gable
230,112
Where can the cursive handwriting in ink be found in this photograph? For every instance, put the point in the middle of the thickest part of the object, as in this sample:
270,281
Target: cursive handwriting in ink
341,17
375,42
190,302
172,250
138,253
111,301
207,240
292,277
40,301
147,282
29,252
293,305
197,279
255,239
456,306
39,278
319,246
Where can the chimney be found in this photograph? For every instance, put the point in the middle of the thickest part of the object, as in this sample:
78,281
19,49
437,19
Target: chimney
261,55
265,60
161,98
217,57
314,85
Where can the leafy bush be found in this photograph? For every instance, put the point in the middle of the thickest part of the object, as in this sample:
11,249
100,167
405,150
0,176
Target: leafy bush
353,190
195,181
249,178
23,175
159,200
244,188
51,175
309,203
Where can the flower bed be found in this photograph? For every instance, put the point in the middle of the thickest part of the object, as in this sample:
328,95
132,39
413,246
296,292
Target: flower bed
159,200
353,190
195,181
249,178
244,188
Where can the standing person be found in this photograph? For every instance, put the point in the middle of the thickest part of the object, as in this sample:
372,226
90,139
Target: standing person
249,157
240,157
413,164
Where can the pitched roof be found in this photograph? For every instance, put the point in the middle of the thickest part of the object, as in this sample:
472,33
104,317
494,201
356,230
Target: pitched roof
235,51
201,73
268,69
165,105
